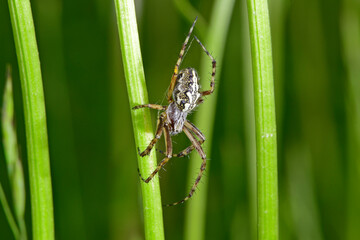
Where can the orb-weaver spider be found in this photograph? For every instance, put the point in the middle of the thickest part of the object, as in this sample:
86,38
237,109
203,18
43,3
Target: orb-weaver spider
183,96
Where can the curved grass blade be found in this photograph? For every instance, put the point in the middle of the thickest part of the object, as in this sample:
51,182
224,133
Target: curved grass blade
8,214
13,163
35,119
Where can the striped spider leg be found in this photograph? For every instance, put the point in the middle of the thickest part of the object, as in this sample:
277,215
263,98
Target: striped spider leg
178,63
189,149
190,130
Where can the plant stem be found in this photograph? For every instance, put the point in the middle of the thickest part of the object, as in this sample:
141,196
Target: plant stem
143,131
35,119
205,116
266,148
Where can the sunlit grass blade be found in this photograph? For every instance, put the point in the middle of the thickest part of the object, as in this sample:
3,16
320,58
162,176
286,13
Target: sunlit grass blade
215,41
13,163
35,119
265,124
143,131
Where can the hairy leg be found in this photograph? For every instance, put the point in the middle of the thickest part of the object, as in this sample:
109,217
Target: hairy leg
212,83
202,168
177,65
152,106
159,130
168,144
190,126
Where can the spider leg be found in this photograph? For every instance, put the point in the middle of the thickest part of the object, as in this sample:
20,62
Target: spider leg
190,126
183,153
193,129
159,129
177,65
152,106
169,149
202,168
212,83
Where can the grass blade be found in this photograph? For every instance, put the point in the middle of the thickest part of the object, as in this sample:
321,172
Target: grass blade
205,117
190,13
8,214
13,163
143,131
249,122
35,119
266,146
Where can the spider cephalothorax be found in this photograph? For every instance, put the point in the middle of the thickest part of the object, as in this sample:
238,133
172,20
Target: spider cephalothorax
183,96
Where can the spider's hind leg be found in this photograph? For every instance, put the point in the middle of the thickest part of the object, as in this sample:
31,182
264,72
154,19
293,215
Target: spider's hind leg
189,149
168,156
198,147
190,126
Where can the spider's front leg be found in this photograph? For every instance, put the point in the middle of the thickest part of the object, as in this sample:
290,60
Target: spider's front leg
150,105
158,128
168,144
212,83
178,62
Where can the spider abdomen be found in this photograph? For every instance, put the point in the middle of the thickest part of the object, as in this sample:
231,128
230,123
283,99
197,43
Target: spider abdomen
186,92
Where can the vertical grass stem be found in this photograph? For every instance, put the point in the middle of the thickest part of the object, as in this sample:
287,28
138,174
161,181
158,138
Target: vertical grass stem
266,146
195,216
35,119
143,131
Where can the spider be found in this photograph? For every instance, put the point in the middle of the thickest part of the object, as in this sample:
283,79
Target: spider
183,96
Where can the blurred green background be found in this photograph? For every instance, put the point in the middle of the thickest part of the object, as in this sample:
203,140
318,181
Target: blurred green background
316,51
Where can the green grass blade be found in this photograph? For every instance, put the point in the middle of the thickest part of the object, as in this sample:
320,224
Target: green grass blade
190,13
143,131
249,122
265,124
13,163
35,119
8,142
8,214
205,116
